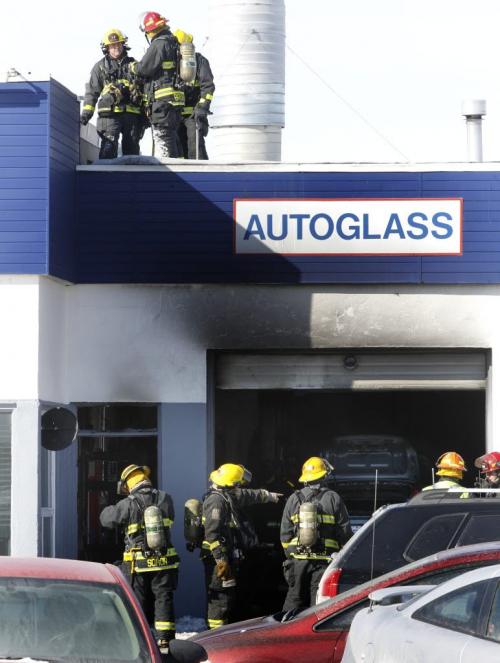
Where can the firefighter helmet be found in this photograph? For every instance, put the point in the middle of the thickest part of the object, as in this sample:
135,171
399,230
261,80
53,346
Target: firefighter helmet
315,468
489,462
451,464
113,36
152,21
133,475
229,475
183,37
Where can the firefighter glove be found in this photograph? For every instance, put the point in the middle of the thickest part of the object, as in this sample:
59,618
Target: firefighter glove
275,497
190,547
223,570
85,117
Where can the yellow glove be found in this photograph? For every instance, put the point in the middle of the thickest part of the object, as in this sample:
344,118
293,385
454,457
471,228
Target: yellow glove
223,570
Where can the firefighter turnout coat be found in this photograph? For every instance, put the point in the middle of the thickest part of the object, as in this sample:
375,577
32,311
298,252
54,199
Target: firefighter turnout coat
128,514
159,67
333,525
201,92
113,88
227,531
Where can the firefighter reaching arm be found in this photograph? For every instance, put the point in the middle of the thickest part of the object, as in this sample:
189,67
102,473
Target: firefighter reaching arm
314,525
146,515
228,534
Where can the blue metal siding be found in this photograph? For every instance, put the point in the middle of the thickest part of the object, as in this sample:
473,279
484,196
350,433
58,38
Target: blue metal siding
165,227
64,146
480,262
23,178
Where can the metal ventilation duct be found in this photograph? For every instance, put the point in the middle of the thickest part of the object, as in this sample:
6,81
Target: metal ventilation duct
247,55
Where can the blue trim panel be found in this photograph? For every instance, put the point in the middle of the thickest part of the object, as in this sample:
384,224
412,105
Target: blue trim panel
64,148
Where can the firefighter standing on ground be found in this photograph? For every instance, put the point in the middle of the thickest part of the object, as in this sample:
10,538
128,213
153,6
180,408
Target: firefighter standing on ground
118,95
315,524
159,67
227,535
450,468
489,468
199,93
152,570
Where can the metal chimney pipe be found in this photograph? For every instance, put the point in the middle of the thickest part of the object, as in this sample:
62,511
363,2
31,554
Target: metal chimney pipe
247,54
473,110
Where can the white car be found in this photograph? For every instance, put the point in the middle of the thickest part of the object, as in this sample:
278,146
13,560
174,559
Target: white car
456,622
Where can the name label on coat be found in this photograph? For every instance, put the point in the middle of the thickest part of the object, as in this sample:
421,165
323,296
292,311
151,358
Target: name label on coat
363,227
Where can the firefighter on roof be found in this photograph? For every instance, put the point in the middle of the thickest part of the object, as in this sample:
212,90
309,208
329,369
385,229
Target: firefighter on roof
315,524
228,534
159,67
198,86
149,559
118,94
450,470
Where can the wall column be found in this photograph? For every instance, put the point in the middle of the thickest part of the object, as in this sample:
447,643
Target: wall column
25,475
182,472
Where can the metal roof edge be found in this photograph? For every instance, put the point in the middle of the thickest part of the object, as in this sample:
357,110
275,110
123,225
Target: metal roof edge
179,166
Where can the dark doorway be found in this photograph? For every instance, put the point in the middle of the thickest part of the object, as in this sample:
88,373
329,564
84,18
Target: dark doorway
274,432
110,438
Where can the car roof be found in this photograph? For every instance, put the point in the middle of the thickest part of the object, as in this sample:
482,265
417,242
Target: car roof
438,560
55,569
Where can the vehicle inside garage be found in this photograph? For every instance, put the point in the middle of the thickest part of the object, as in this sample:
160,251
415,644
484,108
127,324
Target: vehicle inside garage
272,432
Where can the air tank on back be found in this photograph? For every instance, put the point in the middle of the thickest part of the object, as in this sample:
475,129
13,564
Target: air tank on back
246,49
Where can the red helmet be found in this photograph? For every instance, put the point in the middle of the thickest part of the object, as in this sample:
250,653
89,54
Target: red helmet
489,462
152,21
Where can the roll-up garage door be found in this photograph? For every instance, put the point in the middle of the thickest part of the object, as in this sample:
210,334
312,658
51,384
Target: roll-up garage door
352,370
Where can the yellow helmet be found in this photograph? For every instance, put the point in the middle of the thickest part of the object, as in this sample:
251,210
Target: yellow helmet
113,36
183,37
230,475
314,468
133,475
451,464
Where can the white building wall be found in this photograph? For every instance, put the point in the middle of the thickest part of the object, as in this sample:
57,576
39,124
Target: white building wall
118,343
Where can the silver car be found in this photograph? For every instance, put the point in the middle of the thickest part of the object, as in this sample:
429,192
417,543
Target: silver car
457,621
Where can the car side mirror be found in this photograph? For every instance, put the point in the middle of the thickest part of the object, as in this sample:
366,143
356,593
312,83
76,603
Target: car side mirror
184,651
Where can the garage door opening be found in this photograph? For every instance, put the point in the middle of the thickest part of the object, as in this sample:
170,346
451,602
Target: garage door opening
272,432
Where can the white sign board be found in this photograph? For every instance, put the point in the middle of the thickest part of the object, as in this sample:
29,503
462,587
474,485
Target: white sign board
363,227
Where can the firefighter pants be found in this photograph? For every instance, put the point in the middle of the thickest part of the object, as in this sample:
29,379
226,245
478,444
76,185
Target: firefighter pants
220,600
302,576
155,593
165,120
128,125
191,139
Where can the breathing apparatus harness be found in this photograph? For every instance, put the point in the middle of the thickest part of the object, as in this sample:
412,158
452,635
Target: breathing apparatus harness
154,540
122,91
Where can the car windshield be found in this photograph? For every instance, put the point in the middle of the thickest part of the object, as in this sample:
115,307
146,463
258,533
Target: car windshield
67,621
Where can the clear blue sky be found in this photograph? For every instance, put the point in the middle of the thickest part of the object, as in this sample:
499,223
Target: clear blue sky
404,66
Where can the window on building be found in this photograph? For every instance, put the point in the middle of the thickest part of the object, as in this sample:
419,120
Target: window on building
110,438
5,481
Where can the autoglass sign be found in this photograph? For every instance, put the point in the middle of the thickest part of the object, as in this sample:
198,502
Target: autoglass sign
390,226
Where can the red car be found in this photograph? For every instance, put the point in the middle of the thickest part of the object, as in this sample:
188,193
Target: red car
319,633
66,610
